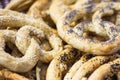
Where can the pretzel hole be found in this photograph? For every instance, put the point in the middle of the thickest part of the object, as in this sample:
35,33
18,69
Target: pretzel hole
95,37
114,77
44,44
7,49
112,18
48,20
11,48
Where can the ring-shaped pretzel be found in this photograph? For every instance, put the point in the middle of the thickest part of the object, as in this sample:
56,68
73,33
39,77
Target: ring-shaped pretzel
15,19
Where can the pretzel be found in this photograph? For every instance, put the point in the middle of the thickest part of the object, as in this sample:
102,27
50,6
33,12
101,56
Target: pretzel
23,40
83,44
59,64
76,66
93,64
105,71
15,19
23,64
19,5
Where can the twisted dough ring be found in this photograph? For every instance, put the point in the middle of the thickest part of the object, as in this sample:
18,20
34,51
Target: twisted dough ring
23,38
105,71
59,64
23,64
88,45
89,66
76,66
19,5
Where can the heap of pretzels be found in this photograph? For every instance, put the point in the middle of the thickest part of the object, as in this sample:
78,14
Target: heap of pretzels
60,40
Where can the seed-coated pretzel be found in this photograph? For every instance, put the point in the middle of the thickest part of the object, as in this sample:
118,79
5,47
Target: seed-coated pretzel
69,75
19,5
24,36
89,66
87,45
34,11
106,71
23,64
15,19
59,64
